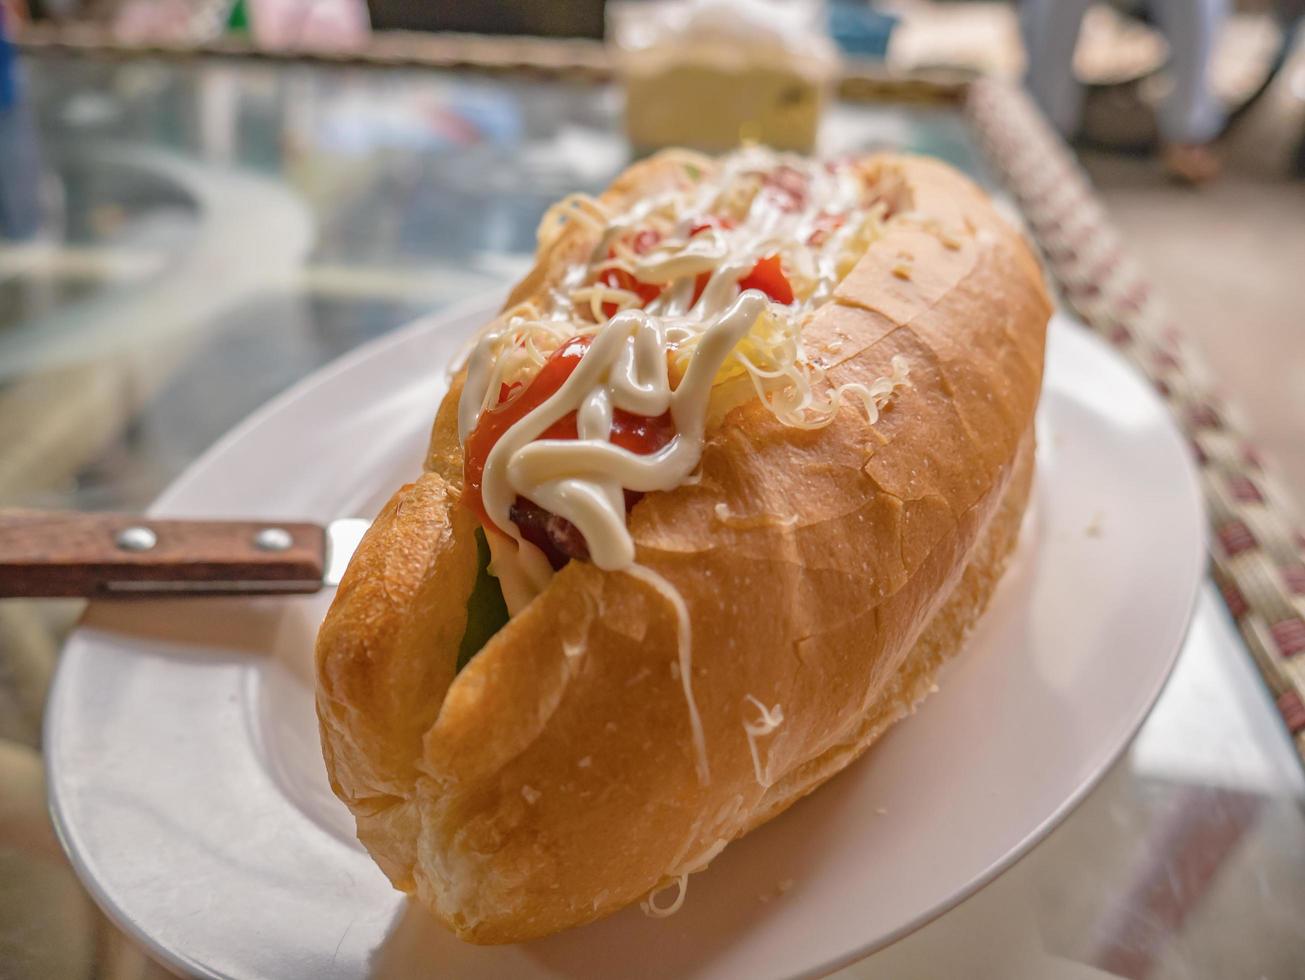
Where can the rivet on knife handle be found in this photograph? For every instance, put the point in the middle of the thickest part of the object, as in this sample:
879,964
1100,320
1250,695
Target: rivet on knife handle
46,553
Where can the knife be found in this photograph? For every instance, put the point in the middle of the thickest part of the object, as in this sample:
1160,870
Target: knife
59,553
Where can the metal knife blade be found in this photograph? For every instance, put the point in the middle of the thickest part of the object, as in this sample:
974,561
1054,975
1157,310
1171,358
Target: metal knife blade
342,537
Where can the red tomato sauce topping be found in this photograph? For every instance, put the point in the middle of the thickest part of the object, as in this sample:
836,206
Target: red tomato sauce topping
767,275
557,537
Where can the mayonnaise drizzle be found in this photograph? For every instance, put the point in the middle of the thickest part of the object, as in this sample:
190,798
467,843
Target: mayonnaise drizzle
582,480
684,650
625,366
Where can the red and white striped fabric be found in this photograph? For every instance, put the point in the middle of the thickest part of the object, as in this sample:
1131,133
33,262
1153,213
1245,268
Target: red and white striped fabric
1257,549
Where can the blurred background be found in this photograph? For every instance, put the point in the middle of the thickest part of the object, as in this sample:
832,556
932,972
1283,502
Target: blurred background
202,201
122,118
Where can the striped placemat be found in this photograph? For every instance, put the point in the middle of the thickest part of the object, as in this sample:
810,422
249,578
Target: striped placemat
1257,548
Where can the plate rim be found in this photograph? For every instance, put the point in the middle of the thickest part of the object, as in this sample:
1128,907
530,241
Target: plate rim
485,305
1044,829
1200,543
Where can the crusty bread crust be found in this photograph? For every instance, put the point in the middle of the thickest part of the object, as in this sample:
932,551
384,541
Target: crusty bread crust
828,572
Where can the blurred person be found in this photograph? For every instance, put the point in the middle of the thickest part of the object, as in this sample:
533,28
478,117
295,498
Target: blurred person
20,158
1189,117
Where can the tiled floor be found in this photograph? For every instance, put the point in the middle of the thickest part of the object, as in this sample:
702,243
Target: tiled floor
1230,260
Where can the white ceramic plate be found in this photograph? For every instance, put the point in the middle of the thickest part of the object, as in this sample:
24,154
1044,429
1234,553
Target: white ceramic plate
187,786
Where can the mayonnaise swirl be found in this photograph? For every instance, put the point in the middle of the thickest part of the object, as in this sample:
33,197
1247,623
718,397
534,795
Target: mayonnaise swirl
757,205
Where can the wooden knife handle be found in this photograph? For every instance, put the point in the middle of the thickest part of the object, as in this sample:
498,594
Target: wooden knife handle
51,553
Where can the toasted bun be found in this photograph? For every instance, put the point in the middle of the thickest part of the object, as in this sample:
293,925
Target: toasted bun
827,572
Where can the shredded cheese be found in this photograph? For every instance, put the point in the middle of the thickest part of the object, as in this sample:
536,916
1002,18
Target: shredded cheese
700,862
574,207
652,909
769,719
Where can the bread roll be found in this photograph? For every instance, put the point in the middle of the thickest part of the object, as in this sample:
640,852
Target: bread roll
827,573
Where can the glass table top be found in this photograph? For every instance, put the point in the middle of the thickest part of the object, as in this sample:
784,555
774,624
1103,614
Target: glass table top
180,241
